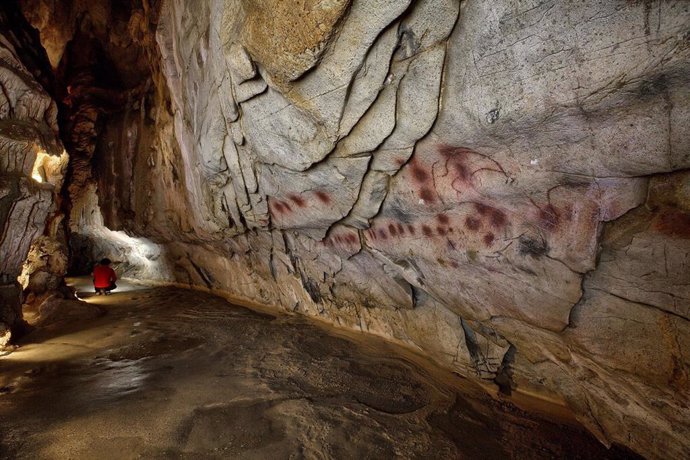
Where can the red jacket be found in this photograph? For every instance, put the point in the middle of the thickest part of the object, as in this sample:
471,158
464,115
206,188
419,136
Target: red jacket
103,276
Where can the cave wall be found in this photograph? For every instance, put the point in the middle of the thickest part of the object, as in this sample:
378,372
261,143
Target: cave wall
502,186
32,162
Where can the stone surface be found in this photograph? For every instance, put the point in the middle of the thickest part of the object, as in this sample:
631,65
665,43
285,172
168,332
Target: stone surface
31,160
177,373
501,186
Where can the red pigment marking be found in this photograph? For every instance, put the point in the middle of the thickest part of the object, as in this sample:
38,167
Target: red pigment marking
372,233
548,217
472,223
462,171
401,229
392,229
498,218
410,228
323,197
441,230
450,229
488,239
352,238
449,151
673,223
457,156
442,218
382,234
278,206
419,174
426,230
286,206
426,195
298,200
482,209
454,264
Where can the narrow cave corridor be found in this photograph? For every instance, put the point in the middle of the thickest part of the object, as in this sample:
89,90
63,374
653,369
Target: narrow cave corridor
345,229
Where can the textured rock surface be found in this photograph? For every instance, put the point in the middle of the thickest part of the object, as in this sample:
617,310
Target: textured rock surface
31,164
501,185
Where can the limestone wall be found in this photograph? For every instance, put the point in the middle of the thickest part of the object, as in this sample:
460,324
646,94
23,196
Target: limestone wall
32,165
503,186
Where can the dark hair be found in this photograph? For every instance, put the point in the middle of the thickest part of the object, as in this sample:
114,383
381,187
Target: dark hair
105,261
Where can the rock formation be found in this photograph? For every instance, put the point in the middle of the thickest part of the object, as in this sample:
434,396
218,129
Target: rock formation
32,163
502,186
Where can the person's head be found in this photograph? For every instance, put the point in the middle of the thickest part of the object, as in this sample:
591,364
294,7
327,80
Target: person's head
105,261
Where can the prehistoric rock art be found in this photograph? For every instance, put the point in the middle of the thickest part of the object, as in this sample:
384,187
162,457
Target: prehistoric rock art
502,187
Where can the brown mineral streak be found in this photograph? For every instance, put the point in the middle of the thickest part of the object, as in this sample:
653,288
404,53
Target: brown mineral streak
288,37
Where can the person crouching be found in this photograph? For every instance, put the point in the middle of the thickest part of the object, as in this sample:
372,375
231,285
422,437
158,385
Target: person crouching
104,277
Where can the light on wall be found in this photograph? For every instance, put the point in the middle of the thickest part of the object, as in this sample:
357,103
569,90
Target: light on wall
49,168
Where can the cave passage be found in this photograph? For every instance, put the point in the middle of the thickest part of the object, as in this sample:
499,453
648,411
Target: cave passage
502,187
153,372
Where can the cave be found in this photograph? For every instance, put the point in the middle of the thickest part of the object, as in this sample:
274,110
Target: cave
345,229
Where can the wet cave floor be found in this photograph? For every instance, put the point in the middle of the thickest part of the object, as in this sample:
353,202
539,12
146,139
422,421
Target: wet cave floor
160,372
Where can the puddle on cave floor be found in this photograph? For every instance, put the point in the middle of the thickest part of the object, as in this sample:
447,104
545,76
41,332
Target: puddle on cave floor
172,373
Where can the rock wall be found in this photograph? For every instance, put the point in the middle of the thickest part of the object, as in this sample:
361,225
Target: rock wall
503,186
32,161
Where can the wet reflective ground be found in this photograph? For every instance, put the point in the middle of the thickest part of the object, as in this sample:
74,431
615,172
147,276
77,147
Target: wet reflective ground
171,373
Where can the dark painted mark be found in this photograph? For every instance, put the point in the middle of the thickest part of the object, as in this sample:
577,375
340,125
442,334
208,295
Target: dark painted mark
488,239
286,206
462,172
401,229
352,238
454,264
673,222
532,247
382,234
449,151
426,195
410,227
298,200
457,156
441,230
278,206
450,229
498,218
654,87
451,245
392,229
548,217
442,218
419,174
482,209
402,215
472,223
323,197
426,230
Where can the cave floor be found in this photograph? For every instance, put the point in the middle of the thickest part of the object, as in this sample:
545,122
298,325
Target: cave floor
159,372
